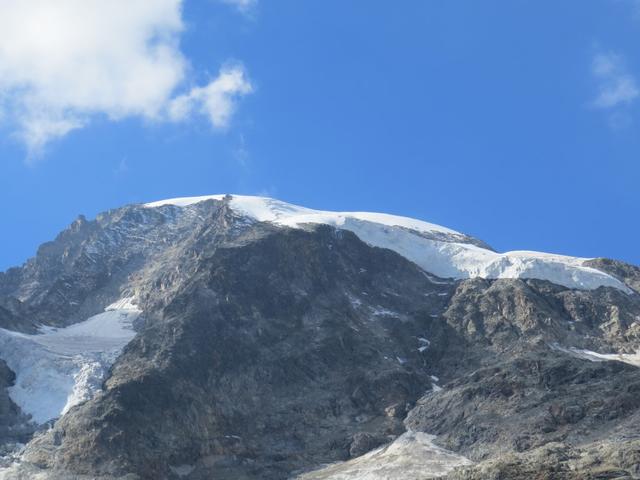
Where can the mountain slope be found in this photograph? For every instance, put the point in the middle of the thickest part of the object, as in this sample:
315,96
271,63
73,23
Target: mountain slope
272,339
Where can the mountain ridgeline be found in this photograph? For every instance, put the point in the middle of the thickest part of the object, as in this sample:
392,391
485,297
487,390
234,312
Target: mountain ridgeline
231,337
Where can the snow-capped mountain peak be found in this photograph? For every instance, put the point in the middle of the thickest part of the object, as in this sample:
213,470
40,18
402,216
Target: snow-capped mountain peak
265,209
436,249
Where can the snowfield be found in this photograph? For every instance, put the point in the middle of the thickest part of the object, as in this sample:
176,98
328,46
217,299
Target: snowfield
59,368
411,455
437,250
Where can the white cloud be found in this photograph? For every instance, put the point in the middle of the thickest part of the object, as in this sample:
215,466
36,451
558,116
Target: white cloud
216,100
63,62
616,86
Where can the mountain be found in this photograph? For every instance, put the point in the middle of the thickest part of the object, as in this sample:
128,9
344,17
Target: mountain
234,337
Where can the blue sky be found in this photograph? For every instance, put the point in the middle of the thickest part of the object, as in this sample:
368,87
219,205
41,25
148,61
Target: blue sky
516,122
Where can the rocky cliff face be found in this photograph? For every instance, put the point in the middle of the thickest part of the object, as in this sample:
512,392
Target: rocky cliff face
265,351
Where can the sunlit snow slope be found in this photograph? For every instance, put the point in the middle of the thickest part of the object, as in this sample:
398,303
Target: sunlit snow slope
59,368
438,250
411,455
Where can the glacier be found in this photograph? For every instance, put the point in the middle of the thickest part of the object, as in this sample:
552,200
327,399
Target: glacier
58,368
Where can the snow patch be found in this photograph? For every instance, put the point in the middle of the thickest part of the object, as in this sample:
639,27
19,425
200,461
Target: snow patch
412,455
383,312
126,303
59,368
423,344
436,249
630,358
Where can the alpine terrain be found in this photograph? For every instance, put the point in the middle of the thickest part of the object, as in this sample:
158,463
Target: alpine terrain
232,337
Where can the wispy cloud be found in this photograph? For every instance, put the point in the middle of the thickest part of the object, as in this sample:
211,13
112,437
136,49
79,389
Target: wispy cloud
244,6
241,152
616,85
63,63
122,168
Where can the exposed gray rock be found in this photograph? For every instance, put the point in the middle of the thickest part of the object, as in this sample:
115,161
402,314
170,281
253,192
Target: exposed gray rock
362,442
271,355
618,460
15,428
629,274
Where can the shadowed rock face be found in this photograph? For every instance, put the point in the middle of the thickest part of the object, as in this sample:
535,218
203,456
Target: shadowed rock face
14,428
263,362
267,351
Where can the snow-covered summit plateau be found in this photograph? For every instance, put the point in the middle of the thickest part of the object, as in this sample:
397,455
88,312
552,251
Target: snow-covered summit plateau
436,249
